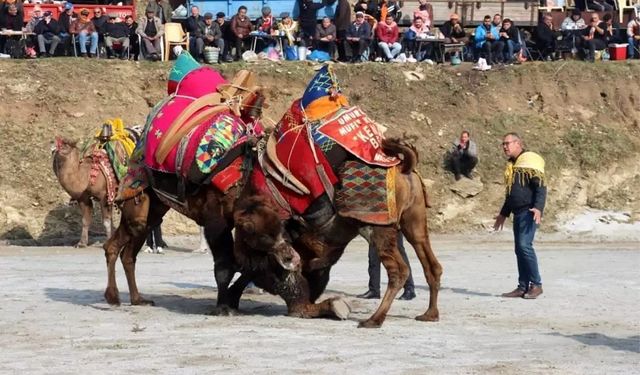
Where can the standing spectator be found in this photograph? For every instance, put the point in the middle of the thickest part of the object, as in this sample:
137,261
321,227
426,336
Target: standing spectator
342,21
209,35
67,17
595,37
359,37
369,7
308,15
424,11
47,31
227,36
391,7
453,30
525,198
161,9
486,38
508,43
497,21
99,21
325,37
85,31
155,243
116,32
633,34
134,43
388,35
12,20
241,27
290,29
464,156
193,27
374,274
150,28
547,37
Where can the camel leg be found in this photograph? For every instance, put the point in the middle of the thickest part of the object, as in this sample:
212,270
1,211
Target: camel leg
415,229
107,222
221,245
295,293
385,241
111,251
86,208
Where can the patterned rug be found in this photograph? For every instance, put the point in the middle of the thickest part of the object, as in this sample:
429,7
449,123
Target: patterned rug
367,194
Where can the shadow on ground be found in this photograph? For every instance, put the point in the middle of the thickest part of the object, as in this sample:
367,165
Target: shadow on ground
629,344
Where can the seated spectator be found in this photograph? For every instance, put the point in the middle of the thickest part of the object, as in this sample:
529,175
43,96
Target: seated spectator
325,38
453,30
547,37
67,17
134,43
613,36
99,21
290,29
463,156
47,31
227,36
151,30
241,27
192,27
424,12
388,33
595,37
209,35
265,25
358,38
508,44
497,21
307,18
486,39
36,17
418,30
12,20
573,21
85,31
116,32
633,35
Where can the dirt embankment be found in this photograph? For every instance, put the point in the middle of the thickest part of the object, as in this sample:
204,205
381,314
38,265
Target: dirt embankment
584,119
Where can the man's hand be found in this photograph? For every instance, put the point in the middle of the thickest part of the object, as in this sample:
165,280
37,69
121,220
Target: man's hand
537,215
499,222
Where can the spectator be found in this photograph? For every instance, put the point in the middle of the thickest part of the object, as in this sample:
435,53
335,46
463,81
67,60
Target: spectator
388,36
525,198
227,36
509,43
161,9
308,14
12,20
99,21
497,21
633,34
150,28
374,274
209,35
155,243
612,30
369,7
359,37
290,29
486,40
417,30
342,21
67,17
391,7
453,30
134,43
116,32
241,27
595,37
85,30
266,25
36,17
325,37
424,12
546,38
463,156
47,31
193,28
573,21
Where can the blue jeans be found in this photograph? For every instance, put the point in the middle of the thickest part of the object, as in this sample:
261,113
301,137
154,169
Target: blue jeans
390,51
512,47
524,229
82,39
630,50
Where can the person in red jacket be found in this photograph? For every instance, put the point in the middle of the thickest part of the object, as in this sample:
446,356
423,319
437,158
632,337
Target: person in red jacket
387,33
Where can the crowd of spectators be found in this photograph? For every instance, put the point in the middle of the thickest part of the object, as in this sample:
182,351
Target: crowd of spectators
367,31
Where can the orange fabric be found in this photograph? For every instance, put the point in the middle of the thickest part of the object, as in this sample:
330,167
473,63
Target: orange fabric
324,106
383,12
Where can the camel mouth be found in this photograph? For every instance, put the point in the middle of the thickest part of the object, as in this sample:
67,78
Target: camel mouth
288,258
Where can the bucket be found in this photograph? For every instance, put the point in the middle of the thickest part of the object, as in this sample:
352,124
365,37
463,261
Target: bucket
211,54
618,51
302,53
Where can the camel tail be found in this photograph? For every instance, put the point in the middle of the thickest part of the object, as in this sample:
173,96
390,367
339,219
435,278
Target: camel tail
396,147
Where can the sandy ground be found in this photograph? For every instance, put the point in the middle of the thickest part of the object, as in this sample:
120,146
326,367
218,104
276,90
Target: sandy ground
53,318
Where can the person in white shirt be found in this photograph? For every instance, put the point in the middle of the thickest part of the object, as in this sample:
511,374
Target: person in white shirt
633,35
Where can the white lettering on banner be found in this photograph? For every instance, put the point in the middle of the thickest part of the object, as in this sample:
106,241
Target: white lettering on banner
366,135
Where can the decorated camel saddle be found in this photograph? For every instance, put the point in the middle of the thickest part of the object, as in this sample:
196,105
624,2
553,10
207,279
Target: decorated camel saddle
196,134
319,142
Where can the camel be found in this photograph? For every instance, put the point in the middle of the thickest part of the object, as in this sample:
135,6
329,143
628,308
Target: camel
73,172
321,245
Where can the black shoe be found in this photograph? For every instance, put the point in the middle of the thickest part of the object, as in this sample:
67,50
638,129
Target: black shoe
84,55
228,59
370,294
408,295
468,175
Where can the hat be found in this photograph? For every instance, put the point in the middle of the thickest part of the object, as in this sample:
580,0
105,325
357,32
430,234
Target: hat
47,13
220,15
208,16
68,6
84,12
284,15
150,10
359,14
454,16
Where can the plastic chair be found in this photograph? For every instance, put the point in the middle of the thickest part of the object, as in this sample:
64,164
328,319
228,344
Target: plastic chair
143,51
173,36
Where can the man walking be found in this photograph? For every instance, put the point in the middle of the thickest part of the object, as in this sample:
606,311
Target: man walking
525,198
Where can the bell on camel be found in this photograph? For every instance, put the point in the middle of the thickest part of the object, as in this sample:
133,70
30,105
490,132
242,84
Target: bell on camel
106,133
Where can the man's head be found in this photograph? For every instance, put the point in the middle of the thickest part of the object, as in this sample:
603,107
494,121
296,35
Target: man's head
506,24
128,20
37,12
576,14
195,11
112,18
512,145
97,12
548,20
150,13
608,18
486,20
360,17
266,11
13,9
595,18
208,18
242,11
418,22
68,8
326,22
454,18
497,18
47,15
84,12
464,136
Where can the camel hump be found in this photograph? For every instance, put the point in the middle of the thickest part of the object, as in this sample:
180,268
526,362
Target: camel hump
396,147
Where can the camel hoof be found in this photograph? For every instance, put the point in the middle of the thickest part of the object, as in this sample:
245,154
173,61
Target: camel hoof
369,324
429,317
112,297
223,311
80,245
142,302
340,308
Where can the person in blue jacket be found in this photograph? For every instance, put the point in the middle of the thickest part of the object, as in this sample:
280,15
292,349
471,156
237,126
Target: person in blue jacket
486,40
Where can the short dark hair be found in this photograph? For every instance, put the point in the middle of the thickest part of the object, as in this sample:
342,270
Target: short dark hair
507,20
241,8
607,17
466,132
498,14
487,17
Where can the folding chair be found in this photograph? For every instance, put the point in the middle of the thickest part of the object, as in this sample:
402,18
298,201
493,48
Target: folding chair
76,42
174,35
143,50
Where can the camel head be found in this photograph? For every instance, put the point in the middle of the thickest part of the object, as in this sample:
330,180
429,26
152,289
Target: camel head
63,146
261,234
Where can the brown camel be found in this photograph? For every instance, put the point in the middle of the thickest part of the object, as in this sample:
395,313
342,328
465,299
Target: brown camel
73,171
320,246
